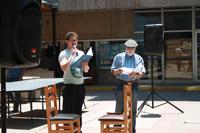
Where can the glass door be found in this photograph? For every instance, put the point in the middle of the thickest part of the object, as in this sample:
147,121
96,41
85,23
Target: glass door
178,56
198,54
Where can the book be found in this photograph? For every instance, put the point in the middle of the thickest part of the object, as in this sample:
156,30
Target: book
127,71
84,58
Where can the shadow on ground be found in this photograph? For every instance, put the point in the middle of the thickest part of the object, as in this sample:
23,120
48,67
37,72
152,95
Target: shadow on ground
151,115
24,121
171,96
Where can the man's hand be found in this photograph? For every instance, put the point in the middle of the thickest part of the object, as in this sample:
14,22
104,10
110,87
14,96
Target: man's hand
135,74
117,71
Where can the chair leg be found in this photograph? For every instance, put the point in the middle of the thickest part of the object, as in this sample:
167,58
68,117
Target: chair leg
79,128
126,128
130,127
57,126
102,126
71,127
49,127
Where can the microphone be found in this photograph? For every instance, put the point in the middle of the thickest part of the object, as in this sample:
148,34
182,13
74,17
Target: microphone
74,46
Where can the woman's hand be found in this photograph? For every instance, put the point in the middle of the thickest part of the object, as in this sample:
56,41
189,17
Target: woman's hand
85,67
74,51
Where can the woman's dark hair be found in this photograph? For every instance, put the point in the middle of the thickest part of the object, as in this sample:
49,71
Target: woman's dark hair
70,34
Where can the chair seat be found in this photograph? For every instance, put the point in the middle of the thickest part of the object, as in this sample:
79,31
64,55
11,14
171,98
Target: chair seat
119,117
59,122
119,122
65,117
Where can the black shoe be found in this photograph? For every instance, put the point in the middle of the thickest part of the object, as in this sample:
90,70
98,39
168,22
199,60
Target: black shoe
15,110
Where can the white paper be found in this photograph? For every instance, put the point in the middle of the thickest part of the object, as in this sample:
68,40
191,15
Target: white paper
90,52
127,71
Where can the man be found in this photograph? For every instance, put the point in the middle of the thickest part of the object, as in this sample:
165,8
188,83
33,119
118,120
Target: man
74,90
14,74
128,67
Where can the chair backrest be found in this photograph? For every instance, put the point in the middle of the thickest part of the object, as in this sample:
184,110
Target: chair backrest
128,105
109,121
51,101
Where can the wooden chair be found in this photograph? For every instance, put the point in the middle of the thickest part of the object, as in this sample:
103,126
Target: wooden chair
59,123
119,123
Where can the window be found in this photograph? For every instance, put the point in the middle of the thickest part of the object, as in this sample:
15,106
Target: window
178,20
141,19
178,37
178,55
106,51
139,37
198,55
157,64
197,19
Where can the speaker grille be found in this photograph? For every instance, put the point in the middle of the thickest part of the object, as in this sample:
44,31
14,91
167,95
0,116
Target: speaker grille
28,35
20,28
153,39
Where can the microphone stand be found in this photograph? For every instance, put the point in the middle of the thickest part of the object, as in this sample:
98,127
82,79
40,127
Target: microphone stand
152,93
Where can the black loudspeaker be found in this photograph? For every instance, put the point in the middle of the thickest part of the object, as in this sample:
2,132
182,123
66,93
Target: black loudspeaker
153,39
20,33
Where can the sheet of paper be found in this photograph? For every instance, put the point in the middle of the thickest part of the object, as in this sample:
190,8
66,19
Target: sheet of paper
127,71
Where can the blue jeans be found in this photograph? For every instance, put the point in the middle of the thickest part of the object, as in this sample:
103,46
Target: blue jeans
119,108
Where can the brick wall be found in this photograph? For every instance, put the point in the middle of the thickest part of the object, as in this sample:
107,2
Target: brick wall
90,25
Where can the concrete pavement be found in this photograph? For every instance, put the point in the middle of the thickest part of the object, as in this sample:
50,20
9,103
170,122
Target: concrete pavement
162,119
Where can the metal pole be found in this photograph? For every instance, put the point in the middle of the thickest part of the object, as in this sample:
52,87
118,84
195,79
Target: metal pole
54,30
3,100
54,38
152,81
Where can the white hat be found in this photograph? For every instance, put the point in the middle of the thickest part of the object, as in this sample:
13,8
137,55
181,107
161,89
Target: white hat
131,43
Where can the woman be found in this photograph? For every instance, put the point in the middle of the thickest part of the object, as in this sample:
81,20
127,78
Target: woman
74,90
